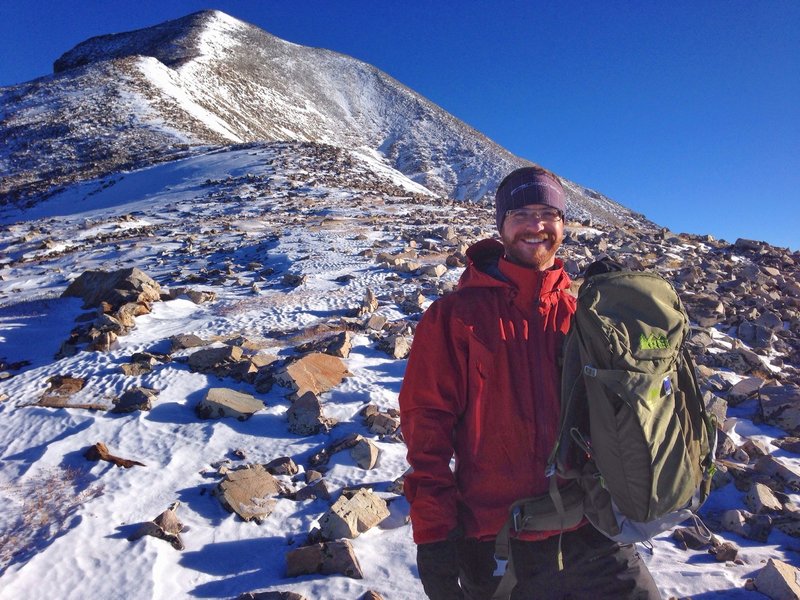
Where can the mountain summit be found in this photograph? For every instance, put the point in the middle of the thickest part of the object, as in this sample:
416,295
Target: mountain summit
126,100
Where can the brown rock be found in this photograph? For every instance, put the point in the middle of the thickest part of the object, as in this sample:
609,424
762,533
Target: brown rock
350,517
778,580
315,372
116,287
137,398
725,552
165,526
365,453
224,402
760,499
249,492
328,558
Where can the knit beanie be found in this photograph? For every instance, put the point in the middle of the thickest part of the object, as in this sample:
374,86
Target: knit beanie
528,185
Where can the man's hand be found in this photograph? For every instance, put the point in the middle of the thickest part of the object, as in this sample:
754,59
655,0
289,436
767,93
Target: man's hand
438,570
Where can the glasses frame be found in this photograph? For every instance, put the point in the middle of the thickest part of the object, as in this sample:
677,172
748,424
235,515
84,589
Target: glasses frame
519,216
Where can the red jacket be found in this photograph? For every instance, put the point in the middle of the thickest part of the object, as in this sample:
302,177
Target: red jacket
482,384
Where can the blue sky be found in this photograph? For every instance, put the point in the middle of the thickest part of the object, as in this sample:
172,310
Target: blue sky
688,112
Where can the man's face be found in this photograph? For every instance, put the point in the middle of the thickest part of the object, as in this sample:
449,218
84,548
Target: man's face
531,237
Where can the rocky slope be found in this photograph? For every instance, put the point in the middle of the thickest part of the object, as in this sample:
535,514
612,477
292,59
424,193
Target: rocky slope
252,346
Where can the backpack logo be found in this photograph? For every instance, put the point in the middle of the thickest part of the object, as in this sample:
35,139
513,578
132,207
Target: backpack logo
653,342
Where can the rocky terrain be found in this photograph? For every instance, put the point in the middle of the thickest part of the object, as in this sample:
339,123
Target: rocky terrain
283,281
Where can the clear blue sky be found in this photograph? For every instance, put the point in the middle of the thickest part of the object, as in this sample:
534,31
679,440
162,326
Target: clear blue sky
686,111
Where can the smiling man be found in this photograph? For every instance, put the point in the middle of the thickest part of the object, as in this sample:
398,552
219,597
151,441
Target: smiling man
483,385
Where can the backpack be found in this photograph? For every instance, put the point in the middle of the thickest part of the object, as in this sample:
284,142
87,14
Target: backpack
635,445
634,432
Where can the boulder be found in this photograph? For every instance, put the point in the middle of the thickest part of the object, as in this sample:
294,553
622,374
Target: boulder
780,406
776,470
224,402
115,287
760,499
316,489
396,346
744,389
778,581
327,558
350,517
137,398
306,418
214,360
249,492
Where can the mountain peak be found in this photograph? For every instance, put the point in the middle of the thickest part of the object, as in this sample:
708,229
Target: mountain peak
172,42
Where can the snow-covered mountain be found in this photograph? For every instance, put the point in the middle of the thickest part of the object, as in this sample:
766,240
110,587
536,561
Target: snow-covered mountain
123,101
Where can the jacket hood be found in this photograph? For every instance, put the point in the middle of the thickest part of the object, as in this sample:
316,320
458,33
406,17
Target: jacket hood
483,270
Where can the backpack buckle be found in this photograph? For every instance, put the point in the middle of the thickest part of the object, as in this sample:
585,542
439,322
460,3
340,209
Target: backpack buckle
500,565
590,371
515,518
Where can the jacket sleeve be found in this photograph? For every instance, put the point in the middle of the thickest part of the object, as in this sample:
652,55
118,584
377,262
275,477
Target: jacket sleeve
431,400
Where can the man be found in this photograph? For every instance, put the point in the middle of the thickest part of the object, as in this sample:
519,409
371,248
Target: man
482,385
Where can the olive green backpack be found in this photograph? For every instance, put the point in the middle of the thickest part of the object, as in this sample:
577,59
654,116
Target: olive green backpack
634,432
635,450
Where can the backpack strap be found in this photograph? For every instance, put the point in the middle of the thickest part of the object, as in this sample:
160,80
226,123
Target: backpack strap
557,510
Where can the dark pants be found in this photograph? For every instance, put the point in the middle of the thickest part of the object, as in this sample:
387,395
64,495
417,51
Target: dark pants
595,568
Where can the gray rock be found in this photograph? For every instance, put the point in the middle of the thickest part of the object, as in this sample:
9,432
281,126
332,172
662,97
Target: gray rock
744,389
306,418
137,398
780,406
186,340
214,359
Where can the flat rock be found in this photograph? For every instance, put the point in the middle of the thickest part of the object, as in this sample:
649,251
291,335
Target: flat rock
224,402
249,492
212,359
316,372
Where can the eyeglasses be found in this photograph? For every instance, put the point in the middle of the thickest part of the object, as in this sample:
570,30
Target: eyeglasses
519,216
